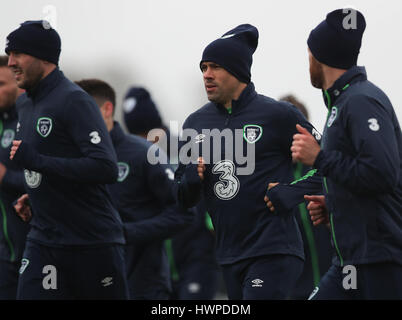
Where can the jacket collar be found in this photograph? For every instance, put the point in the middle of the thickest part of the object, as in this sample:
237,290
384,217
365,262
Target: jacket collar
245,97
353,75
117,134
10,113
45,85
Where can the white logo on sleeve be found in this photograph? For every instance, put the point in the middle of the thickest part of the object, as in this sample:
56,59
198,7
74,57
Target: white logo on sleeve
332,117
24,265
95,137
373,124
32,178
316,134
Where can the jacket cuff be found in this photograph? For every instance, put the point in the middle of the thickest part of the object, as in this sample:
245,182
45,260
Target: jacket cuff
319,160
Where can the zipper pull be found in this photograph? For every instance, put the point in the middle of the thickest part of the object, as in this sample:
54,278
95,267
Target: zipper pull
228,117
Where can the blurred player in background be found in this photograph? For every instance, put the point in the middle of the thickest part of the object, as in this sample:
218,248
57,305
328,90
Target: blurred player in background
13,230
317,244
143,195
191,251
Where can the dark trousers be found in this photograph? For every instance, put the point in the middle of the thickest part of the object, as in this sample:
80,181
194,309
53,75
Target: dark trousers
72,273
8,280
266,277
375,281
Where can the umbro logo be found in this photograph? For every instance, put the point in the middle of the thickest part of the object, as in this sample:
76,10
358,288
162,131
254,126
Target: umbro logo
107,281
199,138
257,283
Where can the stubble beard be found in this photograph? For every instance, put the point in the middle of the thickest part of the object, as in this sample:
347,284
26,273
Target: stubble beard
31,76
316,75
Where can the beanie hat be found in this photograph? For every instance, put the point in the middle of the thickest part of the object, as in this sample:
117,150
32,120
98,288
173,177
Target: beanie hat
140,113
234,51
336,41
35,38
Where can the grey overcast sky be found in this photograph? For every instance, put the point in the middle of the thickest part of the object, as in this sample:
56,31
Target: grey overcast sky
158,44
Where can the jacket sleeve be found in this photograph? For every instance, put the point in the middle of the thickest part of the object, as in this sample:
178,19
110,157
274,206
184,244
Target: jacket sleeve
188,185
14,180
373,166
86,127
285,197
288,129
170,220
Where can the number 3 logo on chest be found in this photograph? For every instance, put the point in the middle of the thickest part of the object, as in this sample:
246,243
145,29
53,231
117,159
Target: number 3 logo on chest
95,138
228,185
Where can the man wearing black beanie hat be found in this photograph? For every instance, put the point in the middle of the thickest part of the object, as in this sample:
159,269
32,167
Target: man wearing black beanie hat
74,247
261,254
361,159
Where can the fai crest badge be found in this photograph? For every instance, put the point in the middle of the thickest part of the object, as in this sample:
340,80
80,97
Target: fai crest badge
44,126
124,169
8,137
252,133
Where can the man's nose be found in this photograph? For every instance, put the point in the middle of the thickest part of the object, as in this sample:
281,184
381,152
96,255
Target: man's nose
11,60
207,73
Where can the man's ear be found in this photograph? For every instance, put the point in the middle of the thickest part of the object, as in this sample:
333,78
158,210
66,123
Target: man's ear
109,107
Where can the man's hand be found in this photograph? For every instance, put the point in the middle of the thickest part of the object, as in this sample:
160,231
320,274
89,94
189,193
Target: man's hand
317,209
14,148
266,199
201,168
23,209
3,171
304,147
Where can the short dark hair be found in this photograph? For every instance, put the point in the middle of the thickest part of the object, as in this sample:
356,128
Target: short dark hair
3,61
98,89
293,100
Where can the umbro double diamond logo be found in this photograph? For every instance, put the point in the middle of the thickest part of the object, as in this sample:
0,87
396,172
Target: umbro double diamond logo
107,281
257,283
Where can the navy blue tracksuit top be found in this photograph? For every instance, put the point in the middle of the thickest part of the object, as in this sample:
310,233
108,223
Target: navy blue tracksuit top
361,164
68,158
145,201
361,160
243,224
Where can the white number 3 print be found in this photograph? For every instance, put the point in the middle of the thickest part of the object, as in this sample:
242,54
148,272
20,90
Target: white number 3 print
228,185
374,126
95,137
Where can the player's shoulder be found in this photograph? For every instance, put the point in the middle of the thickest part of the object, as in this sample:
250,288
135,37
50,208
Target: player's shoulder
73,92
138,144
206,111
271,106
